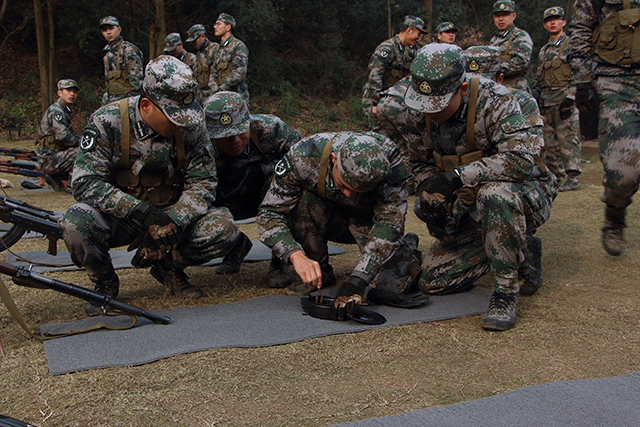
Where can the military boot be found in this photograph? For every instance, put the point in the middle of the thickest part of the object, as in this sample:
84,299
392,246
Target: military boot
279,275
531,268
501,314
328,281
109,287
175,280
231,262
612,231
570,183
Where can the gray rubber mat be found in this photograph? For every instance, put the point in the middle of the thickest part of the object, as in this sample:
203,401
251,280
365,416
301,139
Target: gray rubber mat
259,322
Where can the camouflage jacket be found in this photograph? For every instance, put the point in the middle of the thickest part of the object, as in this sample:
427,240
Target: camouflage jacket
99,159
587,15
189,59
206,56
553,95
389,55
57,121
130,62
520,51
235,53
384,207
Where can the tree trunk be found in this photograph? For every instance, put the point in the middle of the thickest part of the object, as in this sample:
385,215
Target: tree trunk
52,55
428,10
389,22
42,56
153,41
162,26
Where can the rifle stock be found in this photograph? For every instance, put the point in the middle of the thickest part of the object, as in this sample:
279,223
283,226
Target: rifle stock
25,277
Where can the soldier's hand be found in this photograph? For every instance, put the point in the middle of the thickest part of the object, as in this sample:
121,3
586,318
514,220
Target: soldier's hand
308,269
566,108
149,215
148,252
445,184
374,110
166,237
585,96
348,298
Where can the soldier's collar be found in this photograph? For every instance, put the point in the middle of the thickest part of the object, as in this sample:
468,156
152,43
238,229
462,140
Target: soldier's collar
63,104
227,41
559,40
142,129
113,43
204,44
506,32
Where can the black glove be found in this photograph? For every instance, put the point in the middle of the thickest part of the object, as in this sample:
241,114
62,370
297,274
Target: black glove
566,108
585,96
149,215
444,184
348,298
148,251
157,224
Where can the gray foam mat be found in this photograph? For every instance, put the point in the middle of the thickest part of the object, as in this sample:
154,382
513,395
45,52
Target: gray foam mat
258,322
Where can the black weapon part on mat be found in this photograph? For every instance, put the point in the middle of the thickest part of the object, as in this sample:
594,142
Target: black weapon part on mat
22,171
321,307
26,217
12,422
25,277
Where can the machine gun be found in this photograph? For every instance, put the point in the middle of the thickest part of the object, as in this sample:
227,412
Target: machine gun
25,277
26,217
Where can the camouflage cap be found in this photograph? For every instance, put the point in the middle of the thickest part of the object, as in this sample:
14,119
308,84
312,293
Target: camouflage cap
482,61
109,20
227,115
361,162
436,73
554,11
170,84
67,84
227,19
415,22
446,26
504,6
195,31
171,42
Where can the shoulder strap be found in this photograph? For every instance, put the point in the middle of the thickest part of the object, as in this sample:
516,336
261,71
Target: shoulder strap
471,113
508,50
626,4
562,46
119,53
324,167
124,134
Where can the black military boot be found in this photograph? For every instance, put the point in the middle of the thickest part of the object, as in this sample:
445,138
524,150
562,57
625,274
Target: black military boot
612,231
531,268
328,281
501,314
109,287
231,262
279,275
175,280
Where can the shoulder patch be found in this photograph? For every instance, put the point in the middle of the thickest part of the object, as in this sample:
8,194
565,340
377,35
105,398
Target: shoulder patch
57,117
384,53
283,166
89,138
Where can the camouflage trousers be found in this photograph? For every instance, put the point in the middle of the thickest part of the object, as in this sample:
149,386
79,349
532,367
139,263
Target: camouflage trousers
490,235
562,142
58,163
620,146
315,221
89,234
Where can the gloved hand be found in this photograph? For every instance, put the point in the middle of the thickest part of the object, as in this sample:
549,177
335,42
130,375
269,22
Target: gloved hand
585,96
148,252
566,108
444,184
149,215
348,298
158,224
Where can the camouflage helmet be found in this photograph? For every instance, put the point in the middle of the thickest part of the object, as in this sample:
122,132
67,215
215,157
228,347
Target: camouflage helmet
170,84
504,6
171,42
436,74
195,31
482,61
361,161
227,115
109,20
554,11
227,19
67,84
447,26
415,22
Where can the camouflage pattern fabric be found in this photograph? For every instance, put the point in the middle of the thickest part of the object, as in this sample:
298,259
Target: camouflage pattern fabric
619,94
190,59
205,57
57,122
130,63
244,179
293,212
236,54
562,142
389,55
515,70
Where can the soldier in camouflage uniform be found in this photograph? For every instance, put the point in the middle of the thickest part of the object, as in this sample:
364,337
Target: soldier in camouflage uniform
617,66
390,62
232,58
556,94
145,176
205,70
515,44
248,146
57,143
173,46
447,32
347,188
122,63
483,186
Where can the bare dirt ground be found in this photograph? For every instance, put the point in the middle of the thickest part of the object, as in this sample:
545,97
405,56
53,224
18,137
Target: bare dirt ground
583,323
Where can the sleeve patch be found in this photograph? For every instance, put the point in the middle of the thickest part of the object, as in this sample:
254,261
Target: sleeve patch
57,117
89,138
283,166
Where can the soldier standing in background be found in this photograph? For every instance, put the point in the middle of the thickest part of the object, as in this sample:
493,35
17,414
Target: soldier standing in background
123,65
57,143
390,62
205,72
515,44
556,95
617,68
173,46
232,58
